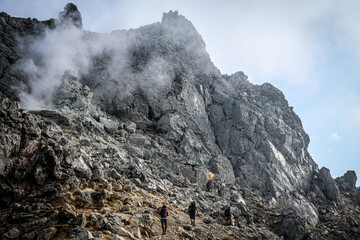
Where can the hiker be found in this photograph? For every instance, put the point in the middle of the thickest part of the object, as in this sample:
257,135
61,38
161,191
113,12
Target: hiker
192,212
227,214
164,215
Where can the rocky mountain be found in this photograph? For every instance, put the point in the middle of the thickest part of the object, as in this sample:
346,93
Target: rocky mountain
99,130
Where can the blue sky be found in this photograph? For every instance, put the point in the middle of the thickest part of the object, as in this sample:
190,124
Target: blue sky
310,50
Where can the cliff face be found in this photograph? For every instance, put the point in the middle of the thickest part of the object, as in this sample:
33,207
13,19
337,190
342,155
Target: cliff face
147,109
264,141
210,119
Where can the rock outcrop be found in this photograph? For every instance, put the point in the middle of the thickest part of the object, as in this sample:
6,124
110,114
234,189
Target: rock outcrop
347,182
71,15
148,119
327,185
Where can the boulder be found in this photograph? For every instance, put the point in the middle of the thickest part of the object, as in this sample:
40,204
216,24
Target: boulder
46,167
350,178
102,222
12,233
347,182
131,127
327,185
109,125
79,220
47,233
81,168
139,140
83,200
208,220
134,151
99,197
67,212
79,233
122,232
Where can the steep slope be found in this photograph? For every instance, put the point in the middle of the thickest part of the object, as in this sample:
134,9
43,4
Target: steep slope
209,118
144,113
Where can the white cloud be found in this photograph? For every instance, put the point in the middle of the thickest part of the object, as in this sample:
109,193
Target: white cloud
269,40
274,41
330,150
336,136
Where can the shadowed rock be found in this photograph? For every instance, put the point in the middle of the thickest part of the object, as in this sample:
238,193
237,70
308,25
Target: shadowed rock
327,185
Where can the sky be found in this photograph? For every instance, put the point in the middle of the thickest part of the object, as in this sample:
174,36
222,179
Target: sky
310,50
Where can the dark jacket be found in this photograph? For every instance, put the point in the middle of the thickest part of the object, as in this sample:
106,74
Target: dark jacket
227,212
192,210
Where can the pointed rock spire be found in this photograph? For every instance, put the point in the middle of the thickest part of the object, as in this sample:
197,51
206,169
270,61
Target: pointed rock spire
71,15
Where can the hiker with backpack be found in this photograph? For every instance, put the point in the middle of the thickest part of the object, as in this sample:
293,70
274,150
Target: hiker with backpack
192,212
164,215
227,214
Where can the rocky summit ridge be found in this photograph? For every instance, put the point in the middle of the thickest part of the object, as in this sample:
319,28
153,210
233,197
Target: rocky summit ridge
118,124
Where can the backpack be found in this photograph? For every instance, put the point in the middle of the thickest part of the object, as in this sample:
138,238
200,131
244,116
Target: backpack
192,208
227,212
163,212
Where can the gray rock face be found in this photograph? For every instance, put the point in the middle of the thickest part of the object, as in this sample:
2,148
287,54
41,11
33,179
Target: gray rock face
215,123
260,141
109,125
327,185
71,94
175,121
350,178
264,140
223,169
47,234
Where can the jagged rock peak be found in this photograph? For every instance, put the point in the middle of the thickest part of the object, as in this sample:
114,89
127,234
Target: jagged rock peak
240,75
71,15
237,79
181,27
173,17
350,178
347,182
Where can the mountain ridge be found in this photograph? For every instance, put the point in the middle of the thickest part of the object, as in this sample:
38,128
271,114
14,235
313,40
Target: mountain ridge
149,101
